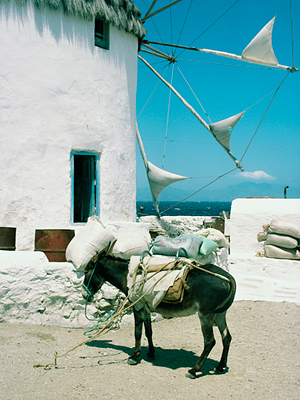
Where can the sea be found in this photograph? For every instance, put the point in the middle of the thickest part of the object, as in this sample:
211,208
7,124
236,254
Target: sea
187,208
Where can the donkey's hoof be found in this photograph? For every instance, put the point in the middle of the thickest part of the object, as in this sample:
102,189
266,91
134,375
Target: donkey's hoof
132,361
150,357
220,370
191,374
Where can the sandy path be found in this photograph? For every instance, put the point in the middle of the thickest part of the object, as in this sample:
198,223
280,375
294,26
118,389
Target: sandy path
264,361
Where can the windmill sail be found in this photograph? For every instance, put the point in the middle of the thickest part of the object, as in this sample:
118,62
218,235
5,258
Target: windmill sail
158,178
260,49
222,130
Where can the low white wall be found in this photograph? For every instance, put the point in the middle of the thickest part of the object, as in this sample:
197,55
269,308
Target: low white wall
36,291
249,215
176,225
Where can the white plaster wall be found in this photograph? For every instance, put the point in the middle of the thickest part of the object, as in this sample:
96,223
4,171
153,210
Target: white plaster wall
247,217
38,292
58,93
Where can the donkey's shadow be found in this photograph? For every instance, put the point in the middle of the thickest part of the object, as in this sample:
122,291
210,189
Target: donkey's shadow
167,358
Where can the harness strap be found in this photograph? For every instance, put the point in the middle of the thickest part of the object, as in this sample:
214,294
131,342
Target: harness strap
196,265
173,265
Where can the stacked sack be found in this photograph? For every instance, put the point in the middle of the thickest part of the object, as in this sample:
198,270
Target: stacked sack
96,237
194,246
281,239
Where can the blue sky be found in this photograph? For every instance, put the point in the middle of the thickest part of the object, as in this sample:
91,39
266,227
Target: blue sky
224,87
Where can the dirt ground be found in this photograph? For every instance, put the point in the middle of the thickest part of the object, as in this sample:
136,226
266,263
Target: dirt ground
264,360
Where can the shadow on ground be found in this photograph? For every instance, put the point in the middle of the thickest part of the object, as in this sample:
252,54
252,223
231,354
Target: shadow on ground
167,358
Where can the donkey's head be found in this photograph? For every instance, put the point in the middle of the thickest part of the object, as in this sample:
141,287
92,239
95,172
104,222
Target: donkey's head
93,279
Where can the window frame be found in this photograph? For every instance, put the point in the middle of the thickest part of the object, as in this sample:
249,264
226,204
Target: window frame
101,39
97,180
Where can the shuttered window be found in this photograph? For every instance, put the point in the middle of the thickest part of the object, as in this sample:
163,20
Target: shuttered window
101,34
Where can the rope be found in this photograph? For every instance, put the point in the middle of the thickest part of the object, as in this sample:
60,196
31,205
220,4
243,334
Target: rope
159,81
194,94
225,12
123,309
293,53
203,187
168,118
157,31
264,115
183,25
106,328
226,64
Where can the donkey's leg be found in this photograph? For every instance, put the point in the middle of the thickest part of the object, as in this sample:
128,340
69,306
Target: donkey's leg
209,342
226,339
138,328
148,330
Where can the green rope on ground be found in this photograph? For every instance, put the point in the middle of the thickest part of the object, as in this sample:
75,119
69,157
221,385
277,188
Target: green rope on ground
100,321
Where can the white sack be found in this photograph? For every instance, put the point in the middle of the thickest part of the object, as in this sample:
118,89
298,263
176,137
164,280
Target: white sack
281,241
262,236
285,227
128,246
93,238
216,236
278,252
169,246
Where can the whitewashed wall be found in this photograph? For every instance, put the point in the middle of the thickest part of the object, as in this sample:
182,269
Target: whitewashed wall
247,217
36,291
58,93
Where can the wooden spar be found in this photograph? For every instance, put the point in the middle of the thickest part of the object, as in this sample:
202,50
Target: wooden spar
216,52
193,111
158,11
224,54
150,8
158,53
142,150
155,54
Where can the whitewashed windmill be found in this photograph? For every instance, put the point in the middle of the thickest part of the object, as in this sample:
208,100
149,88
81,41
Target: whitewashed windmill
68,98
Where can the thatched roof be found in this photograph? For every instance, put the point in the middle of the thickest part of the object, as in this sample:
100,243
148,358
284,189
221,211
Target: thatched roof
121,13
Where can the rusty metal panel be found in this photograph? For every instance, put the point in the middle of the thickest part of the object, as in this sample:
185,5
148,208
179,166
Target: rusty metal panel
53,242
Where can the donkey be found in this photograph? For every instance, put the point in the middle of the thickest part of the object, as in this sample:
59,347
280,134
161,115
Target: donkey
208,294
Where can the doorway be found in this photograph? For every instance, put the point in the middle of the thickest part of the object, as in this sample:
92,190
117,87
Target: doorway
85,193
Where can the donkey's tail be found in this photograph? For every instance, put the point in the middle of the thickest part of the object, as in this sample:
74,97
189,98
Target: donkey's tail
230,297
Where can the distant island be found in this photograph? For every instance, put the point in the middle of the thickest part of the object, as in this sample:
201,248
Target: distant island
226,194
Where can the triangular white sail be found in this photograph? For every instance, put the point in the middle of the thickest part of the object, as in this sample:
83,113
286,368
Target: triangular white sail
260,49
159,178
222,129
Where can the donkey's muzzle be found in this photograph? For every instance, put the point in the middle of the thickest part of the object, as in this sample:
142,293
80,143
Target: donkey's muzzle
86,294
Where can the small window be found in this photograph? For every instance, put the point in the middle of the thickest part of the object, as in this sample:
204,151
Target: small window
85,186
101,34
